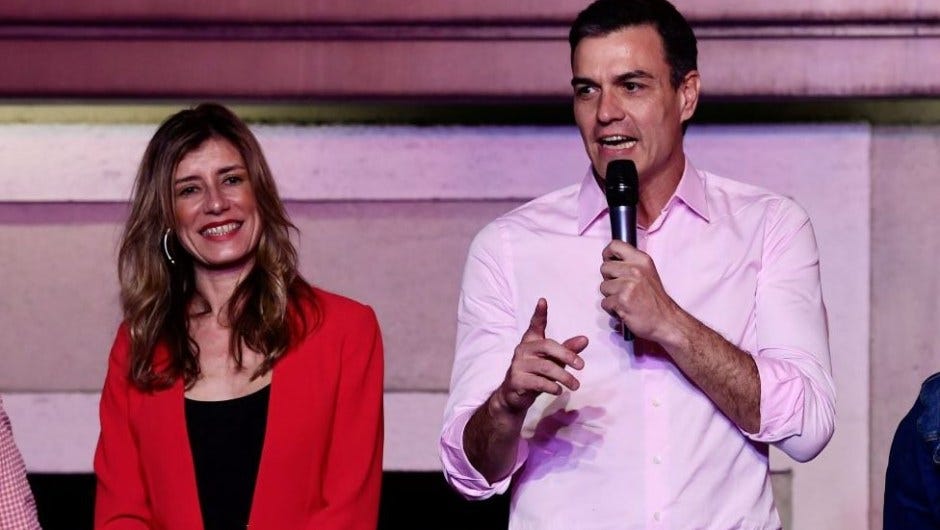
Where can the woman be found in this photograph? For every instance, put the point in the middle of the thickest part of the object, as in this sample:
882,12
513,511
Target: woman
237,395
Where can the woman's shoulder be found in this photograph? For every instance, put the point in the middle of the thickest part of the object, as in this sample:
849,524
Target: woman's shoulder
332,322
121,346
331,309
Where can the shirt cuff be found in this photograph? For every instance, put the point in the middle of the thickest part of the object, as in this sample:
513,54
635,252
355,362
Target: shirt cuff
458,470
782,390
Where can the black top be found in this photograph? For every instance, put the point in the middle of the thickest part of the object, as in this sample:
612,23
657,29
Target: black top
226,439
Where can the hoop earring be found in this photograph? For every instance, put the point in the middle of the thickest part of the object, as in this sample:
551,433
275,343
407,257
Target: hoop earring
166,246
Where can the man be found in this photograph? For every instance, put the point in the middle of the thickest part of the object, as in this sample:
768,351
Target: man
17,508
731,355
912,481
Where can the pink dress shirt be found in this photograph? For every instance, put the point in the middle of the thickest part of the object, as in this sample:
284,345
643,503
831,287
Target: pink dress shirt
17,507
639,445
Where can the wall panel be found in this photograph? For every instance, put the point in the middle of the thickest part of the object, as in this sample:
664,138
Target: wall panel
431,10
905,286
452,50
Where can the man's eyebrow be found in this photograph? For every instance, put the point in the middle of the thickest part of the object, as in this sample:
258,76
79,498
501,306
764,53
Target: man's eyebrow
633,75
625,77
575,81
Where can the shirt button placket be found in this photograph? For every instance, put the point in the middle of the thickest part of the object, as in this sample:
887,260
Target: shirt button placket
656,442
656,411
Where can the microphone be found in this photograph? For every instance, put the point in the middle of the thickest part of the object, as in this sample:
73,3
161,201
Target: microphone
623,190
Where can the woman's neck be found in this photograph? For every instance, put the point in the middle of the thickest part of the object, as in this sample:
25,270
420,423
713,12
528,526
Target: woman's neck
216,287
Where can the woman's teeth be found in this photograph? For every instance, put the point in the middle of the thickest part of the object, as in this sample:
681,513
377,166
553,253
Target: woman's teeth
216,231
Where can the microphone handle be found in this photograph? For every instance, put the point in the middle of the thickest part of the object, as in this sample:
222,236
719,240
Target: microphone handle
623,227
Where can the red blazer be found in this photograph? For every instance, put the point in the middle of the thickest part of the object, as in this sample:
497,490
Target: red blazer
321,465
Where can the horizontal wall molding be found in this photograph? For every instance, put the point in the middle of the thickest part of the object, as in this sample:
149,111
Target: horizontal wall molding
460,50
57,432
315,31
434,10
771,111
464,70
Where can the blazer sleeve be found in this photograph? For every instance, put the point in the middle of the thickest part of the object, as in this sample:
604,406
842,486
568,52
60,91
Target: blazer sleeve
121,497
354,463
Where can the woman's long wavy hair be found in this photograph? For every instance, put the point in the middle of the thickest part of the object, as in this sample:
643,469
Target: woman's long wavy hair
266,311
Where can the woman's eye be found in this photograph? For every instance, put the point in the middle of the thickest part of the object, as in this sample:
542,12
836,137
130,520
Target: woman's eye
188,190
233,179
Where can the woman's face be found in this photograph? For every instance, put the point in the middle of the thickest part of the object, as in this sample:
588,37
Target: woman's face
217,219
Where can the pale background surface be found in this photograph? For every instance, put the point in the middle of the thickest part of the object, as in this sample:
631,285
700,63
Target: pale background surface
398,246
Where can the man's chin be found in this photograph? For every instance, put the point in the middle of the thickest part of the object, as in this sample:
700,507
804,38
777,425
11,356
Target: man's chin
600,174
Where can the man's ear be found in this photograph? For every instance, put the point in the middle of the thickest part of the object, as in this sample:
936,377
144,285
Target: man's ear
688,94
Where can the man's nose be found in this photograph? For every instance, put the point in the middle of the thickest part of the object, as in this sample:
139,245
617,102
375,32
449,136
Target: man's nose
609,108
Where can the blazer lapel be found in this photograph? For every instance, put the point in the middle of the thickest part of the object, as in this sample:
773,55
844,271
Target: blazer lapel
177,457
268,475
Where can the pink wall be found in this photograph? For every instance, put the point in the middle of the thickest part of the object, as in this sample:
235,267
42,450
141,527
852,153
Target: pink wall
430,189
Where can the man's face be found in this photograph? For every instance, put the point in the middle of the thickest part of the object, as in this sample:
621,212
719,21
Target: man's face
625,105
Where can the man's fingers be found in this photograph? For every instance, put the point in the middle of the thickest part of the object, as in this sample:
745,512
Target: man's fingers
614,250
538,322
576,344
551,372
541,384
619,251
539,363
557,353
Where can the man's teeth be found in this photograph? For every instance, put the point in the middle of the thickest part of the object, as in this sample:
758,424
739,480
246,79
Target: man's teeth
221,230
618,141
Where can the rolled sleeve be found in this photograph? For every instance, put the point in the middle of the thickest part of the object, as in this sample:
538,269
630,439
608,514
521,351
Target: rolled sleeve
797,393
460,474
797,408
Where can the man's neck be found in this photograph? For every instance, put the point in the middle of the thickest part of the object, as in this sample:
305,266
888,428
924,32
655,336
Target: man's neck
653,198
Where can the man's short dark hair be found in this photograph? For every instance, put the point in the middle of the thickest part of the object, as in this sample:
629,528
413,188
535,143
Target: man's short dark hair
604,17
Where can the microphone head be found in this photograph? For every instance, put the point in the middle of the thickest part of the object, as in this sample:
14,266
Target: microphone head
622,184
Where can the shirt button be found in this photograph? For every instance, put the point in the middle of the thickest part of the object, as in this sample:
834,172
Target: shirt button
657,460
657,517
656,403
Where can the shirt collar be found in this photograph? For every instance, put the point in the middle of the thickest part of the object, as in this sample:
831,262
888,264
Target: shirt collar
691,191
592,203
